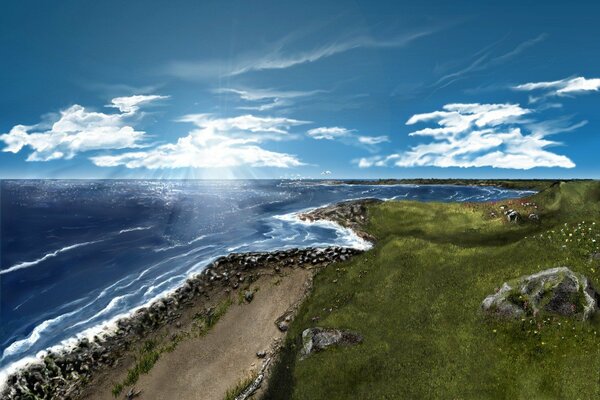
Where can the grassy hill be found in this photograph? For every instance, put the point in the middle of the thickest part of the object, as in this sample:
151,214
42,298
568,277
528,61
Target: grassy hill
416,299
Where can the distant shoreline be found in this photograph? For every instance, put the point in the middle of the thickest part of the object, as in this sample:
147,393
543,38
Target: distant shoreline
518,184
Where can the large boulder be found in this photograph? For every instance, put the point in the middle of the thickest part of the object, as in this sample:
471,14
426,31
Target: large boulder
558,291
317,339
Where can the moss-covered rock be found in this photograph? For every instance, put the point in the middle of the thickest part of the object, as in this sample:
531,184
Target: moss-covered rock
317,339
552,291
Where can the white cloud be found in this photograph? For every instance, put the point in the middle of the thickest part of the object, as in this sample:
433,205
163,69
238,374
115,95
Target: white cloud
456,118
278,58
348,137
267,98
215,143
329,133
485,59
563,87
262,94
375,161
480,135
373,140
326,172
131,104
78,130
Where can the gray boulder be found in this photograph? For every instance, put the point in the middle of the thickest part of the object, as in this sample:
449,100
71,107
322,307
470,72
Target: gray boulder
513,216
534,217
558,291
249,296
317,339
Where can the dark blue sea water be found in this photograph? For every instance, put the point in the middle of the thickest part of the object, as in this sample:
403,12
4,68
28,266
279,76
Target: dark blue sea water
76,254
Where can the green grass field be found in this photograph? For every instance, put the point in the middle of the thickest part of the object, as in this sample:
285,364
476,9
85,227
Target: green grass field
416,299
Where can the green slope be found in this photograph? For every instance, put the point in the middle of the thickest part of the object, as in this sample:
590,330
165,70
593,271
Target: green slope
415,297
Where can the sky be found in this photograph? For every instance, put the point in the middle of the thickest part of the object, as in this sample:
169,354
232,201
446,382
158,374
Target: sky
311,89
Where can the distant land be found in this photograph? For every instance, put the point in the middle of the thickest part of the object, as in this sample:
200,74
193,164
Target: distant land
531,184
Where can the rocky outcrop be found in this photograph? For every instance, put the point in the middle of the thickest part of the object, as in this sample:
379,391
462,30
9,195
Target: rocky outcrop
63,375
318,339
557,291
350,214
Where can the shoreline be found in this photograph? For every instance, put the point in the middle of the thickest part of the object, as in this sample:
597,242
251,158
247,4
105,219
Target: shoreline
67,369
515,184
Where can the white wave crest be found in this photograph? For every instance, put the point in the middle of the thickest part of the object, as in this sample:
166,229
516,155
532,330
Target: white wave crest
27,264
137,228
24,344
345,236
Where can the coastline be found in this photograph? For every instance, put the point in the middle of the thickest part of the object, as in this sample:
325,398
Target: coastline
70,371
516,184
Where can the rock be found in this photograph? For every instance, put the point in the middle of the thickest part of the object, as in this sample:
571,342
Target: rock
132,393
317,339
249,296
283,326
513,216
352,214
534,217
595,257
261,354
552,291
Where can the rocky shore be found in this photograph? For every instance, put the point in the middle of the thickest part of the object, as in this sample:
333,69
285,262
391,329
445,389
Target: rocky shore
63,375
349,214
66,374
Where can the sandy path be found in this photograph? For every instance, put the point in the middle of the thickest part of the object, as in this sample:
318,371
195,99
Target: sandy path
206,367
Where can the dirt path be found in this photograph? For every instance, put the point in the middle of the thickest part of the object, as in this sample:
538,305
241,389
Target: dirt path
206,367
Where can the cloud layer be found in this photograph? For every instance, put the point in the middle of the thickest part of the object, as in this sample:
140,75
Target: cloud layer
215,143
77,130
479,135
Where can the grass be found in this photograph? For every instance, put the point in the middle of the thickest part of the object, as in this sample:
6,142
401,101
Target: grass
150,351
204,321
148,355
239,388
416,300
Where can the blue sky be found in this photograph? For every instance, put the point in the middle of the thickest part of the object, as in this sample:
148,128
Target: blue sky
265,89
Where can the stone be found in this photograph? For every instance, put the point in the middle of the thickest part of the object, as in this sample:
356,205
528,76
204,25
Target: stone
513,216
283,326
557,291
261,354
534,217
249,296
318,339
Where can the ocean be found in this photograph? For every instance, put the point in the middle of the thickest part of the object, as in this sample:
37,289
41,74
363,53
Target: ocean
77,254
